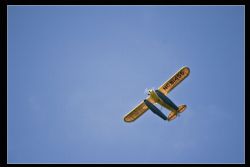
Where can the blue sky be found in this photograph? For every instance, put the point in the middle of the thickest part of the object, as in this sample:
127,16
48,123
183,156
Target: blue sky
75,71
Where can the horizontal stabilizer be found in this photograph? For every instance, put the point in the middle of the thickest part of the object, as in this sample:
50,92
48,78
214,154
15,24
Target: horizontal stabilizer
173,114
181,108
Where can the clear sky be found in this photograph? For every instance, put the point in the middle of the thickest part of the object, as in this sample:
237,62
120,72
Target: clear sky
75,71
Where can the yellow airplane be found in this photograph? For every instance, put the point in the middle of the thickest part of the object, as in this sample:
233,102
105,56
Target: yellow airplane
159,96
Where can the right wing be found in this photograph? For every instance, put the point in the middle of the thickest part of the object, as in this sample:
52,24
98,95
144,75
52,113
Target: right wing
174,80
137,111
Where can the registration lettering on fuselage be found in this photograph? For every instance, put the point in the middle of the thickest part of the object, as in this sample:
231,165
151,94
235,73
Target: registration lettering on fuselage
177,77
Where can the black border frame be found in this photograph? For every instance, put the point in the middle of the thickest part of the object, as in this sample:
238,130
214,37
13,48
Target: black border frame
3,43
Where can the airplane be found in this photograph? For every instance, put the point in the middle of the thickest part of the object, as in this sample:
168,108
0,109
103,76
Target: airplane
159,96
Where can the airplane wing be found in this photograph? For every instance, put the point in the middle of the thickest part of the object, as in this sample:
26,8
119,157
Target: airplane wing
137,111
174,80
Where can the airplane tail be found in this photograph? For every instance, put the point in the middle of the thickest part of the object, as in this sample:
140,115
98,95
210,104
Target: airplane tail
181,108
172,115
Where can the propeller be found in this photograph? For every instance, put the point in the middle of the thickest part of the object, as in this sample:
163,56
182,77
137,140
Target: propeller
146,91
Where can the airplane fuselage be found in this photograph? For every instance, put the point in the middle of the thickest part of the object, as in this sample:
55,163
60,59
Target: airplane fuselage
166,102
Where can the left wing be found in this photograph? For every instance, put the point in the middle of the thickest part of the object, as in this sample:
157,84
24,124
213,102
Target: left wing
174,80
137,111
